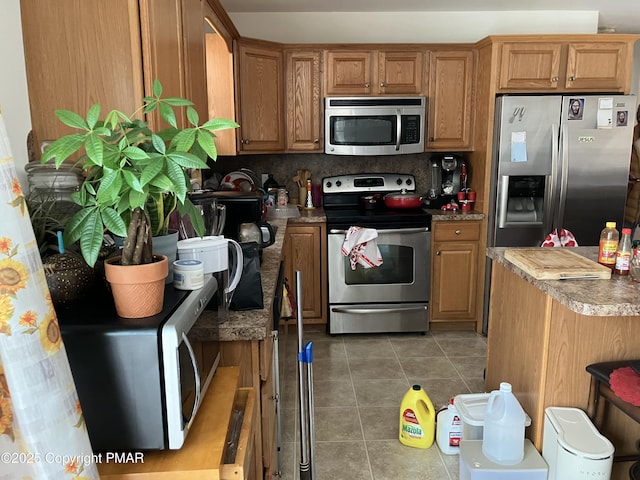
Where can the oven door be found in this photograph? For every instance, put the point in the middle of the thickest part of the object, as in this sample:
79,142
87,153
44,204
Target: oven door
402,277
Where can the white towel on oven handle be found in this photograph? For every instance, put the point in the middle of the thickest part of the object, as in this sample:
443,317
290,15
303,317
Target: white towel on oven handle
361,246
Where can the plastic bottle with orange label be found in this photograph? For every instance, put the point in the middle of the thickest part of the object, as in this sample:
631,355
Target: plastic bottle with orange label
608,245
417,419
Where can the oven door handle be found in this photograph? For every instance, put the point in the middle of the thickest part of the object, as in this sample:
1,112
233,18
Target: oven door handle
394,230
378,310
196,374
398,129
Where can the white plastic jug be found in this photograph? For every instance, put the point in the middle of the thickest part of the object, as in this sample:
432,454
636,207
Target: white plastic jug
504,422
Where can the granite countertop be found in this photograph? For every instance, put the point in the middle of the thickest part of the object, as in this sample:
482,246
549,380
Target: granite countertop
255,324
619,296
444,215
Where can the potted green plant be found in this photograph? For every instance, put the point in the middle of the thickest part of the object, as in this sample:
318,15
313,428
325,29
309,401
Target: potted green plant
130,168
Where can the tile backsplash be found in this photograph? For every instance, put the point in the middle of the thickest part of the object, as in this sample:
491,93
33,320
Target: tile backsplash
285,166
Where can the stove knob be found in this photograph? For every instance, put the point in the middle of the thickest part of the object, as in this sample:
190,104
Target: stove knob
399,181
338,183
328,184
409,182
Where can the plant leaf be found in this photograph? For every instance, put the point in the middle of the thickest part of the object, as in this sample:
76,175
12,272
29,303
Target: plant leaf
189,209
135,153
192,116
158,144
177,177
93,115
177,101
207,143
219,124
72,119
163,183
109,188
73,228
151,170
169,116
136,199
63,148
157,88
113,222
183,140
94,148
91,238
186,160
132,180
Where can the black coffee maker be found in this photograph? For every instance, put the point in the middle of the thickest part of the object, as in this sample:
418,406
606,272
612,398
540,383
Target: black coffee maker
448,174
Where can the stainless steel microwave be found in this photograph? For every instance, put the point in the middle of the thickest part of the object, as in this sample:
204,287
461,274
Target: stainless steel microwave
374,125
140,381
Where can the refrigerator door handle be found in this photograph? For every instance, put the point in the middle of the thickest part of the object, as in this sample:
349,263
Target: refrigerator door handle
564,174
503,201
550,211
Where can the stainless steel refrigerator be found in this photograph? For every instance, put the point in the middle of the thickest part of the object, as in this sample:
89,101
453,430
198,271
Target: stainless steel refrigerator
558,162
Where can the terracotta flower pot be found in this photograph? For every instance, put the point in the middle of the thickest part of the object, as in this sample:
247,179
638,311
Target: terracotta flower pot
138,290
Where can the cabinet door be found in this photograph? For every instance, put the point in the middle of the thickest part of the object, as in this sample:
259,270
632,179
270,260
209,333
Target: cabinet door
349,72
454,271
261,105
450,100
66,37
400,72
194,56
303,251
602,66
163,52
530,66
454,282
302,71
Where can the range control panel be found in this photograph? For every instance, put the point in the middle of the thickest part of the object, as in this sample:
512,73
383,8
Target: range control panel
371,182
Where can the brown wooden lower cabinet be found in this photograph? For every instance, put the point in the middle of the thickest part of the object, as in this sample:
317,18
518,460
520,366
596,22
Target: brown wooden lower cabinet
305,249
454,260
542,348
256,361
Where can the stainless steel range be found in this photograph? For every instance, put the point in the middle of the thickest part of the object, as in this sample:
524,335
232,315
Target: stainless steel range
391,297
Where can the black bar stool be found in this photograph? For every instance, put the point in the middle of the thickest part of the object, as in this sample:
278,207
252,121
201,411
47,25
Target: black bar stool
601,390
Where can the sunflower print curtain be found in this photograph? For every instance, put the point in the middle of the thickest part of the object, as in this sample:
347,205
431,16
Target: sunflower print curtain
42,432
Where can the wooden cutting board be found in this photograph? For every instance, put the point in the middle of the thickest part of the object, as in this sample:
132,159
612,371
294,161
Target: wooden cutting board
555,263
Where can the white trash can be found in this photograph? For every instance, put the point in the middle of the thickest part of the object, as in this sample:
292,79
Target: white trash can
573,447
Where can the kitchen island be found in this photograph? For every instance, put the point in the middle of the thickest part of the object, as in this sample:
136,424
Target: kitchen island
543,333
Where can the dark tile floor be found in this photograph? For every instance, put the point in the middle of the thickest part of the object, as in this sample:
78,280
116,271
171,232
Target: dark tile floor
359,382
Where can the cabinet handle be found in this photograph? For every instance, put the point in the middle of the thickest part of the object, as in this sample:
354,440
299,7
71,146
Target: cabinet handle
438,253
316,140
572,78
382,84
246,142
554,79
458,232
367,85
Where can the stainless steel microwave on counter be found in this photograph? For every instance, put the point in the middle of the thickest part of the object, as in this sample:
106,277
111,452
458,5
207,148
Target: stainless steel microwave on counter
140,381
374,125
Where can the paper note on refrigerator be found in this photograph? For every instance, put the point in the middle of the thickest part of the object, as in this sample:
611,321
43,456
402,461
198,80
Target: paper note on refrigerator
518,147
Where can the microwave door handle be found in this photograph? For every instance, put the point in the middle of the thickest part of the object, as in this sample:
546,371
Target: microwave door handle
196,374
398,129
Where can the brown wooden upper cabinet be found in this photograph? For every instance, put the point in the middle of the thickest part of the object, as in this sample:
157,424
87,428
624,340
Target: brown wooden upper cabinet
564,66
373,72
451,94
304,100
261,104
149,45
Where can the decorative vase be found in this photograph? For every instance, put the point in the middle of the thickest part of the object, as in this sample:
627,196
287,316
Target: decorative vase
167,245
138,290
